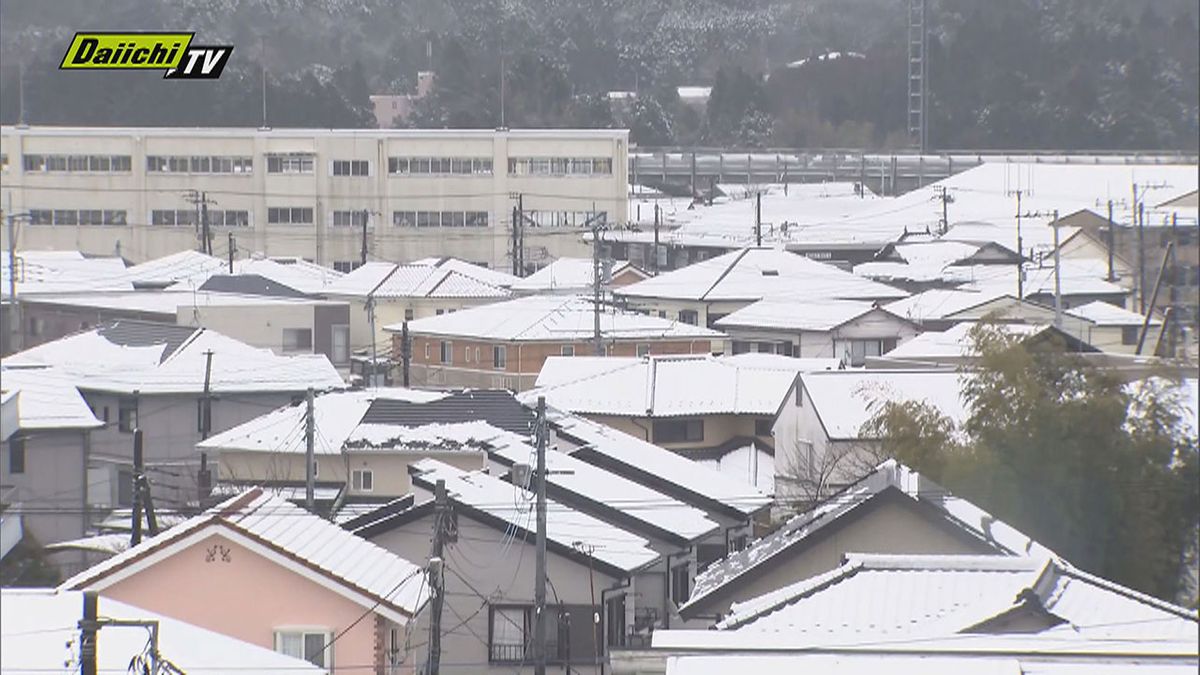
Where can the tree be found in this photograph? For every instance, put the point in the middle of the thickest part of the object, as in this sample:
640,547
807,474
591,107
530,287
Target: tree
1102,472
648,122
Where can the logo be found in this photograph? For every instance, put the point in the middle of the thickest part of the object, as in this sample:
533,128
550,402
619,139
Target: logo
171,52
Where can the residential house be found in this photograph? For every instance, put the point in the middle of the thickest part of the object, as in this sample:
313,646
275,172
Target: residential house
703,293
575,276
891,510
955,346
505,344
604,580
39,633
288,276
178,385
919,266
1113,329
479,271
847,330
939,309
335,600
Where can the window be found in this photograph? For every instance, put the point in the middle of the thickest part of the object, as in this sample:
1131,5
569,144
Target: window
350,218
1129,335
855,352
41,217
763,426
766,348
351,167
126,414
296,339
408,314
16,454
125,487
362,480
689,316
346,266
738,543
447,352
807,457
228,218
311,645
499,357
678,431
294,215
426,351
564,218
680,584
559,166
477,355
440,166
509,634
78,163
174,217
114,217
567,350
35,326
643,350
741,347
404,218
614,614
297,162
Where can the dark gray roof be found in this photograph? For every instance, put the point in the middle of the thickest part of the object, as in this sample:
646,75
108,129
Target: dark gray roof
497,407
132,333
250,284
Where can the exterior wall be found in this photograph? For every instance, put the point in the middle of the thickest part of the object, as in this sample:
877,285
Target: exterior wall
1111,338
876,325
391,311
718,429
523,360
138,192
45,322
51,489
213,595
263,325
389,469
891,528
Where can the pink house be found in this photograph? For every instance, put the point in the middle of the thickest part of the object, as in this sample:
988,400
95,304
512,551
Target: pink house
262,570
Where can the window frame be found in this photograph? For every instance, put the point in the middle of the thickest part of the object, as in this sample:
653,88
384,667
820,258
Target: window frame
297,346
662,430
127,415
327,652
16,449
362,480
500,357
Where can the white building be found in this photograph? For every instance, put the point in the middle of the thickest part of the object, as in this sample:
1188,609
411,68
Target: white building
303,192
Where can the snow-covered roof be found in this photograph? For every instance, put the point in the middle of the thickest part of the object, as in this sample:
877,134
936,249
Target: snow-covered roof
845,400
890,475
46,399
754,274
40,634
798,314
664,386
951,594
549,318
1107,314
921,261
565,526
956,341
189,271
1076,277
943,662
168,302
378,579
940,303
565,274
388,280
182,266
477,272
127,356
63,272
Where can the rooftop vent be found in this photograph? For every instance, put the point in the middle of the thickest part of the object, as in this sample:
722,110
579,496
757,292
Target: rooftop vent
770,273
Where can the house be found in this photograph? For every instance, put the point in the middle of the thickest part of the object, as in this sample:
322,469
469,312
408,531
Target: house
1114,329
39,634
847,330
335,600
386,293
939,309
703,293
605,580
477,271
891,510
919,266
955,345
287,276
506,343
575,275
177,384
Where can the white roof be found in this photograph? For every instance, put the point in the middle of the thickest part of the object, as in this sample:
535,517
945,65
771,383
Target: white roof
46,399
564,273
190,273
754,274
1106,314
549,318
63,272
663,386
564,525
378,579
168,301
845,400
477,272
39,633
797,314
399,135
949,594
388,280
943,663
94,362
1076,277
923,261
890,474
940,303
175,267
956,341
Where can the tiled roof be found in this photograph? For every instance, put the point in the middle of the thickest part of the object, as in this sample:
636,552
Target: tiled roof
797,314
176,267
940,303
46,399
496,407
63,272
388,280
477,272
565,273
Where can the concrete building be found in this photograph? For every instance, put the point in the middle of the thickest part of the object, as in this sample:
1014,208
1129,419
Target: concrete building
304,192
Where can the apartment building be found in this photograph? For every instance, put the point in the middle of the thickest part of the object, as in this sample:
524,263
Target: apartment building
141,192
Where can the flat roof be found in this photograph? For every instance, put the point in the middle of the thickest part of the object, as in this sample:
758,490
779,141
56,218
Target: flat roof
9,129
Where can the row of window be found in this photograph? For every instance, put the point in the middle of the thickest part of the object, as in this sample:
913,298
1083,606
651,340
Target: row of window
202,164
216,217
77,217
440,218
499,352
350,218
78,163
560,166
440,166
290,215
565,218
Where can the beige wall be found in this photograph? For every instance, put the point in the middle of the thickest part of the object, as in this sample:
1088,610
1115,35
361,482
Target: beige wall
389,469
717,429
391,311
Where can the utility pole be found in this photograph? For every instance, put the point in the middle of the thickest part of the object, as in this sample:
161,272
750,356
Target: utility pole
596,338
138,467
232,249
1111,241
204,223
758,218
405,352
656,225
516,258
1172,290
16,324
87,633
1149,311
944,195
1141,236
539,588
437,576
521,235
1058,308
365,216
309,452
206,423
1020,254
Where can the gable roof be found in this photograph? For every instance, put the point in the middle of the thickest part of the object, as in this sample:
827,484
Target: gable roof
889,478
750,274
191,271
941,303
361,571
389,280
664,386
173,268
551,318
478,272
497,407
250,284
801,314
45,399
956,342
63,272
569,273
1106,314
845,400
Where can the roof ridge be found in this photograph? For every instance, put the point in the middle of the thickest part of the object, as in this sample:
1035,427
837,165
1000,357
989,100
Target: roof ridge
721,277
567,300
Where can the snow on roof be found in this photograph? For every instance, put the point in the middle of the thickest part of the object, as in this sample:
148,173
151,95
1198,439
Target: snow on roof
956,341
46,399
295,273
39,633
940,303
1107,314
663,386
378,578
797,314
1077,277
336,416
388,280
565,273
63,272
175,267
942,663
565,526
889,474
549,318
758,273
951,594
477,272
98,360
168,302
694,92
642,457
845,400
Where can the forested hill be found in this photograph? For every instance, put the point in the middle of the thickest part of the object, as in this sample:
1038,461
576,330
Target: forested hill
1072,74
